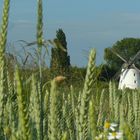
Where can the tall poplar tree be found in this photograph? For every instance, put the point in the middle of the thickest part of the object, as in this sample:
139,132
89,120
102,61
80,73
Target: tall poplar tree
60,60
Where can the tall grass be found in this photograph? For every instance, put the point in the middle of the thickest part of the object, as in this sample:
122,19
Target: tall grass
33,111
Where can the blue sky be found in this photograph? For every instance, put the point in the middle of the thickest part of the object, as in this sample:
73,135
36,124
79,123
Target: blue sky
86,23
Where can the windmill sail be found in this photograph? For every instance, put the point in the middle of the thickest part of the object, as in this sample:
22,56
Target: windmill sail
129,74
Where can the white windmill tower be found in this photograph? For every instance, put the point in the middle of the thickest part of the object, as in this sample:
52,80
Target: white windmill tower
130,74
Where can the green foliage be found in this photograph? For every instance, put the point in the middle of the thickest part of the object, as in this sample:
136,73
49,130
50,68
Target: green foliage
106,73
126,47
77,76
60,61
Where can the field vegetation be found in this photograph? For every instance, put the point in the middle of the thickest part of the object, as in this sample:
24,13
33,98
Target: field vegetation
36,106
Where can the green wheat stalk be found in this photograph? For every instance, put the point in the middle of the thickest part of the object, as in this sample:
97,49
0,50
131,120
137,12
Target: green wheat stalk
136,112
92,119
70,119
89,82
46,112
130,112
4,27
111,98
116,106
40,43
3,40
34,108
24,125
40,24
101,116
53,115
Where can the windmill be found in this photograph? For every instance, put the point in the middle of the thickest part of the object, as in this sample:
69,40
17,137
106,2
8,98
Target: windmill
129,74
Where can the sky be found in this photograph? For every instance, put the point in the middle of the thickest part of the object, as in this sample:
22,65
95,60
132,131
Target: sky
87,24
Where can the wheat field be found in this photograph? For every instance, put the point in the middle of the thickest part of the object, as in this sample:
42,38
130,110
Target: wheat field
31,111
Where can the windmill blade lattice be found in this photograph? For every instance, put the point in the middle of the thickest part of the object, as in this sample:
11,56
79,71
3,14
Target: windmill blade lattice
119,56
134,58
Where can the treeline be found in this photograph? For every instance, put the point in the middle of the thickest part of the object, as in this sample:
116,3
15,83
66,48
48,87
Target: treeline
60,60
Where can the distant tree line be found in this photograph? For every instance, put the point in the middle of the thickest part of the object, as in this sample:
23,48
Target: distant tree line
60,59
126,48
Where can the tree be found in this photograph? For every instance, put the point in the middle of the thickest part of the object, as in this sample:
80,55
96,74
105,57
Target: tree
127,48
106,73
60,61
